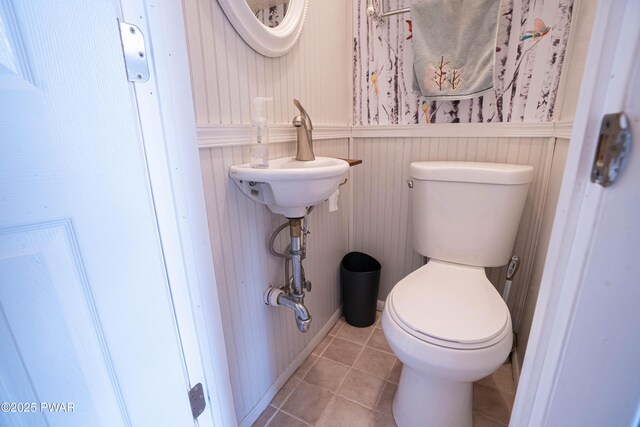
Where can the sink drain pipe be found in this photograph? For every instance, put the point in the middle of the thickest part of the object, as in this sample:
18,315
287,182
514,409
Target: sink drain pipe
291,294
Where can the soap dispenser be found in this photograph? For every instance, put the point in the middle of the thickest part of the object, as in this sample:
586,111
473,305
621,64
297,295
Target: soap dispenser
259,153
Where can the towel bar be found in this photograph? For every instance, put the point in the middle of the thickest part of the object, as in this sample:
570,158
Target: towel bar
378,16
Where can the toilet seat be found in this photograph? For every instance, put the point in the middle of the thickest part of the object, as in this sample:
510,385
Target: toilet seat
450,305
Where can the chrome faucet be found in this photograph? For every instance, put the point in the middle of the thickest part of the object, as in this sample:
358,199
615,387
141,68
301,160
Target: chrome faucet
304,150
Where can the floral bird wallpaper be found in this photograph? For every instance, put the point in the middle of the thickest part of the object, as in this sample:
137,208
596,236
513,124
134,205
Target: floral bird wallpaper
530,47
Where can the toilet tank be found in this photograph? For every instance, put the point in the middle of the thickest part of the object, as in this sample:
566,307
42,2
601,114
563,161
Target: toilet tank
466,212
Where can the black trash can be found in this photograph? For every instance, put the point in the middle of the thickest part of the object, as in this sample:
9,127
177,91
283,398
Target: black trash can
360,281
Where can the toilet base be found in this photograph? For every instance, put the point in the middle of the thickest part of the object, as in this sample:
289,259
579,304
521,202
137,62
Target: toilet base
423,401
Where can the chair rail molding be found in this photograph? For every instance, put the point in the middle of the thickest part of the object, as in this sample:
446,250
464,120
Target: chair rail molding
232,134
220,135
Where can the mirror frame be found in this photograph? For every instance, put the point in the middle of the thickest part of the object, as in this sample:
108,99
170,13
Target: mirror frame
267,41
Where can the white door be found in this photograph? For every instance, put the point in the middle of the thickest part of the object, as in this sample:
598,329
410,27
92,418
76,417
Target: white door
598,378
88,335
582,365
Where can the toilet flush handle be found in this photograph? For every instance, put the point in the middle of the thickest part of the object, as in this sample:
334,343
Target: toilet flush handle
410,183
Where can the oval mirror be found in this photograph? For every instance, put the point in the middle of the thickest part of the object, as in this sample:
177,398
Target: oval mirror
270,27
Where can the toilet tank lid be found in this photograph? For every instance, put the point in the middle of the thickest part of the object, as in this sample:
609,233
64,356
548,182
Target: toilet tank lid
486,173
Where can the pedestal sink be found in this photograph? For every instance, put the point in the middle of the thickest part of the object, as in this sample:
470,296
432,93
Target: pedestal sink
288,186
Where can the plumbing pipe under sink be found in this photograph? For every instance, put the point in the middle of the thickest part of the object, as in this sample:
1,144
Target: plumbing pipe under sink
291,294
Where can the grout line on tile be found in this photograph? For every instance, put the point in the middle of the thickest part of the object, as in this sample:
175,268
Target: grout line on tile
292,416
391,371
339,363
375,406
310,367
331,338
324,412
288,394
353,401
358,356
383,351
312,385
356,402
272,416
340,319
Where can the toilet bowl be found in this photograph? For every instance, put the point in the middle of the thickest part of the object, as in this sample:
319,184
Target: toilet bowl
445,321
449,327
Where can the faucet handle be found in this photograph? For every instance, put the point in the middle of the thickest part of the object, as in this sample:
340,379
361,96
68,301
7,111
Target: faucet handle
304,117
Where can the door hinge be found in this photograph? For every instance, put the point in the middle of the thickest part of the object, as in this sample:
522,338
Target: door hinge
134,52
614,145
197,400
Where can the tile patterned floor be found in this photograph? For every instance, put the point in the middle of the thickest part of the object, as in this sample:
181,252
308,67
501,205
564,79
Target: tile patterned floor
351,377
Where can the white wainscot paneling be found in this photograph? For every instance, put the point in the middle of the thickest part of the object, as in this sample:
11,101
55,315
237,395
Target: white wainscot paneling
226,73
530,298
263,341
382,226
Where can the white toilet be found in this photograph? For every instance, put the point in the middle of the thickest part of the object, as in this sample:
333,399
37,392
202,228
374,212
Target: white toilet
445,321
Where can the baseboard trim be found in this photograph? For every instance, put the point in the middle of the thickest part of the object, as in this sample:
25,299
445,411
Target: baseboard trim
380,305
253,415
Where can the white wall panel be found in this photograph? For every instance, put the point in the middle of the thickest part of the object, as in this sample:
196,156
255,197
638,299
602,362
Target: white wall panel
538,258
226,73
262,341
382,199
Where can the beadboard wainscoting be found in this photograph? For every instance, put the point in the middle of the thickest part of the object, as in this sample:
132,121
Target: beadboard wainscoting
226,73
381,206
263,341
537,260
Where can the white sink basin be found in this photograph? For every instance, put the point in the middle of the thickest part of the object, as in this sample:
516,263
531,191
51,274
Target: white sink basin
288,186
